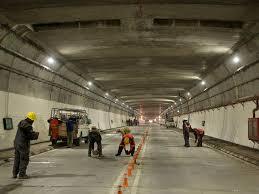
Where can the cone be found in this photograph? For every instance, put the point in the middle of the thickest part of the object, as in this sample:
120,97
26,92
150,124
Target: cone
132,165
119,190
129,171
125,181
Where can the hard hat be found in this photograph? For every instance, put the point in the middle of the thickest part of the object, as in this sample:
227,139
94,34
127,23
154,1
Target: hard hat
32,116
126,130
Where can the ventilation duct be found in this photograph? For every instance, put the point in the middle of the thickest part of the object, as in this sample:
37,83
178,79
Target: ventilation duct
76,24
197,23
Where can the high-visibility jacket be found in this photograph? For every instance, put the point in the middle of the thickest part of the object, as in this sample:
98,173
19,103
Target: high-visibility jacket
199,131
128,139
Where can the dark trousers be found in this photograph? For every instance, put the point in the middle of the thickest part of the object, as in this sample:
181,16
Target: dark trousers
186,139
91,147
199,137
131,151
21,161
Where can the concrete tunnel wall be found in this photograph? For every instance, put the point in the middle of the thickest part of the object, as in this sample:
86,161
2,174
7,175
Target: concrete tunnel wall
27,86
218,103
227,123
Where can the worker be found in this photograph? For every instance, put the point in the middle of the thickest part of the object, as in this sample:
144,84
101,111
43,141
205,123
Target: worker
186,132
70,130
198,133
127,139
95,137
54,122
22,140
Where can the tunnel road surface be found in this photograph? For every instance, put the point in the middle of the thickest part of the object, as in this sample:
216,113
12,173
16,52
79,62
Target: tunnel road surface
166,168
170,168
69,171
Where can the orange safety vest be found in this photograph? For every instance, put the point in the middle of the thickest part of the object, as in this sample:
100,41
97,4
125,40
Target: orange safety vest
128,139
199,131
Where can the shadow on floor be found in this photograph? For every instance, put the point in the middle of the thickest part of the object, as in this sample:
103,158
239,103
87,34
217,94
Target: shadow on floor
10,187
62,175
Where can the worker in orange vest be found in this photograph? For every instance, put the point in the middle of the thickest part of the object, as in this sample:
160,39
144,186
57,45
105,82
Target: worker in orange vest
127,138
53,129
198,133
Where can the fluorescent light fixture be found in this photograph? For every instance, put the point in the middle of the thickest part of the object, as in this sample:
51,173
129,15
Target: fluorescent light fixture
203,83
51,60
236,59
89,83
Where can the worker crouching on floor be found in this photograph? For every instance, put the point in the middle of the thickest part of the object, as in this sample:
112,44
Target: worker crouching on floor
127,138
198,133
95,136
22,140
186,132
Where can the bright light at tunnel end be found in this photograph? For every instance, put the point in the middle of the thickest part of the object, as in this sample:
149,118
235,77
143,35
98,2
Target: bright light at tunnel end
203,83
90,83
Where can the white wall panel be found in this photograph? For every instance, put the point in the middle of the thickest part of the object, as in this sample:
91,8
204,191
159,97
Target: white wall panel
229,123
19,105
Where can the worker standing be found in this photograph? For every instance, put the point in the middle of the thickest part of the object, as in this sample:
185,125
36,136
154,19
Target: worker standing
186,132
95,136
22,140
70,130
54,122
127,138
198,133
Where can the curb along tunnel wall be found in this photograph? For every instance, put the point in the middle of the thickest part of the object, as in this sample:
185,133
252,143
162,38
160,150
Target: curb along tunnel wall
30,90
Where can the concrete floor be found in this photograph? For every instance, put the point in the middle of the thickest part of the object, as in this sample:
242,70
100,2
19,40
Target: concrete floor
167,167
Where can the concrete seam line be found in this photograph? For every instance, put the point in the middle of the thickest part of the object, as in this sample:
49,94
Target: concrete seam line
117,182
139,170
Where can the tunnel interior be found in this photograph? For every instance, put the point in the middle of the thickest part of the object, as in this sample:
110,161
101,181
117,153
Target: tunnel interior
159,62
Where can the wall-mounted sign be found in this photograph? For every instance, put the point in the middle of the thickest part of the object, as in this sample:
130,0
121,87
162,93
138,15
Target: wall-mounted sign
8,123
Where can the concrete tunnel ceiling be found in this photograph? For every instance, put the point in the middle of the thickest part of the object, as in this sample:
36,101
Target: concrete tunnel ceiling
146,53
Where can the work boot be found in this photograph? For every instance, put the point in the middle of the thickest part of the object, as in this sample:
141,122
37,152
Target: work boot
14,176
24,176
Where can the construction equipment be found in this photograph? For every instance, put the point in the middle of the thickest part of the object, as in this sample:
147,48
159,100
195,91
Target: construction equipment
58,129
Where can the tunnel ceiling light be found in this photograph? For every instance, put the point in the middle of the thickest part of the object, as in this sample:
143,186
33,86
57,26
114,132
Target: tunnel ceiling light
89,83
236,59
175,103
180,100
203,83
106,94
188,93
178,111
51,60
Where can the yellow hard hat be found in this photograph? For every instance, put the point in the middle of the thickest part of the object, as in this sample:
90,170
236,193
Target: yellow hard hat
32,116
126,130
